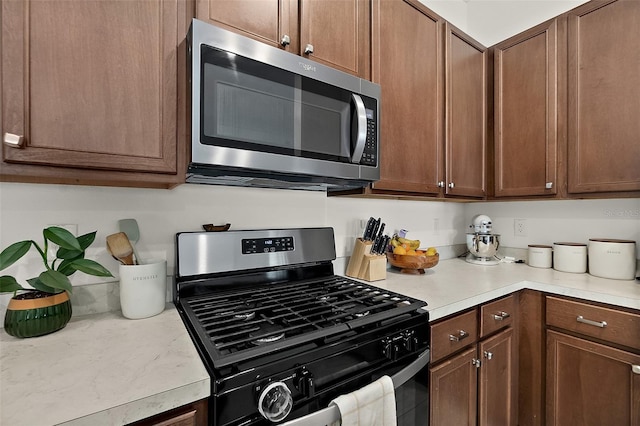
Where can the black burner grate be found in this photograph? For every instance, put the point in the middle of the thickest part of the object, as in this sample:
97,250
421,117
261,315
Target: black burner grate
238,324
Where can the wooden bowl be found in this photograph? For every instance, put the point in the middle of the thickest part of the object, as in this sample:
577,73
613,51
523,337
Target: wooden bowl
412,264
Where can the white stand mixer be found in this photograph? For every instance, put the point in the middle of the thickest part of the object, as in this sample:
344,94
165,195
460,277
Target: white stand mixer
482,244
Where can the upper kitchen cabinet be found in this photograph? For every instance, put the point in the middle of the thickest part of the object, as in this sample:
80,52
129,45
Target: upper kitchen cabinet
466,68
604,97
407,63
89,92
526,112
335,34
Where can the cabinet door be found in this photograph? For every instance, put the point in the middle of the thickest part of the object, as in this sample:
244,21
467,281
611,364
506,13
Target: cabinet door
591,384
407,63
338,35
466,112
269,21
91,85
525,112
453,390
497,388
604,97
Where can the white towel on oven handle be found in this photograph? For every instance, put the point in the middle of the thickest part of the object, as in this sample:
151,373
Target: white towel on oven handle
372,405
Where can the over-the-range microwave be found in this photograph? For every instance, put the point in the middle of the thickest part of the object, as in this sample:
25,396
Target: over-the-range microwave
264,117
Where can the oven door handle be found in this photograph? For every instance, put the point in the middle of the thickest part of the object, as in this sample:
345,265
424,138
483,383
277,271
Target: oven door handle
331,414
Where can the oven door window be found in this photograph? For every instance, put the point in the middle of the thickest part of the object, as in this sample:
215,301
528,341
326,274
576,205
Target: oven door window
412,400
250,105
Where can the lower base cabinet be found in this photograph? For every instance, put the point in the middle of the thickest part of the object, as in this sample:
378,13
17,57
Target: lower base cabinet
473,377
194,414
476,386
591,384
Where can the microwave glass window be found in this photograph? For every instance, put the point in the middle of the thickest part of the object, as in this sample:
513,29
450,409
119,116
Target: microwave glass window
258,107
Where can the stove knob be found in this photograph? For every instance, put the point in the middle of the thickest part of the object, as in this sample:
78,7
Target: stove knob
275,401
304,383
410,342
390,350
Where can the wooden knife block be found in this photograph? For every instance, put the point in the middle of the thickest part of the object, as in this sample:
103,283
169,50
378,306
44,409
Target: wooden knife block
364,265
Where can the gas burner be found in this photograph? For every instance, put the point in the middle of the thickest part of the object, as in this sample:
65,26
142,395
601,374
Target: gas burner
245,316
268,339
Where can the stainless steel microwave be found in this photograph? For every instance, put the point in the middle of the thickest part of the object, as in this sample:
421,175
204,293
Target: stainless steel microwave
264,117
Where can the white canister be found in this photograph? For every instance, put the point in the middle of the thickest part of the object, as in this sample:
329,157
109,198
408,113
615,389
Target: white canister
540,256
570,257
614,259
143,289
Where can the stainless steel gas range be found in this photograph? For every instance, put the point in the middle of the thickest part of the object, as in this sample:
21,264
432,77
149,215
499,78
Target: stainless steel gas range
281,335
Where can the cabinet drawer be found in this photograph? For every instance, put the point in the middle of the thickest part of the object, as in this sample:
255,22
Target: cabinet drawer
453,334
496,315
603,323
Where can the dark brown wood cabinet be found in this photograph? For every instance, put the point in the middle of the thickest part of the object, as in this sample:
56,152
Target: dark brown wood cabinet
337,36
591,384
466,98
194,414
89,92
473,379
410,74
434,104
604,97
593,364
526,111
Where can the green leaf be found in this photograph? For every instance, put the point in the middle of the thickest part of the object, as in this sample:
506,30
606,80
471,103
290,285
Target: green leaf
39,285
90,267
56,280
14,252
64,253
62,237
66,267
8,284
87,239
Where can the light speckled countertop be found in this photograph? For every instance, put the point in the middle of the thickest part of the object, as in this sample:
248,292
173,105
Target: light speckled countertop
104,369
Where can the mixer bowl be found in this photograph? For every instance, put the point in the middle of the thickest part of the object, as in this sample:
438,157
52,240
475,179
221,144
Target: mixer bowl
483,245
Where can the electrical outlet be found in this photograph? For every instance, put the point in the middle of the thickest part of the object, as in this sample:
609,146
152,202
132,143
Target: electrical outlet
520,227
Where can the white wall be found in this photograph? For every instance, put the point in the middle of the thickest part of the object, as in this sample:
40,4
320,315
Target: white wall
491,21
562,220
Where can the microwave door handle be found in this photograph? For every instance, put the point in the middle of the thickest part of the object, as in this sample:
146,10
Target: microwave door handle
331,414
361,140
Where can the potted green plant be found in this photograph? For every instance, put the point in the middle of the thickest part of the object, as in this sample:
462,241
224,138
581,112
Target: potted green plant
45,307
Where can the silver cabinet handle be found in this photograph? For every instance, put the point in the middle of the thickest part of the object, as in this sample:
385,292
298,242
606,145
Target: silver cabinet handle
308,49
488,355
452,185
635,369
500,316
461,335
286,40
14,141
441,184
601,324
548,185
476,362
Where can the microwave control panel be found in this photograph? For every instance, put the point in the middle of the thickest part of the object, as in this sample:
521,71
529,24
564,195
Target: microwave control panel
370,153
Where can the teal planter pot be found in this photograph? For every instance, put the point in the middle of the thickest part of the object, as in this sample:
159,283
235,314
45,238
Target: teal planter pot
37,316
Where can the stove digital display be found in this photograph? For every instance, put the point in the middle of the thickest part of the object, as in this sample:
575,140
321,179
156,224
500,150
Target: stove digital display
267,245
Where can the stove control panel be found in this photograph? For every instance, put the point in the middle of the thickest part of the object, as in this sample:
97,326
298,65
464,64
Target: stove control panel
267,245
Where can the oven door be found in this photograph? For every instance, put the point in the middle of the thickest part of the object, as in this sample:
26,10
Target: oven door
412,398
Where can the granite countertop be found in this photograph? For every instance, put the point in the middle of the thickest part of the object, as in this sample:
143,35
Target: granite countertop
107,370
